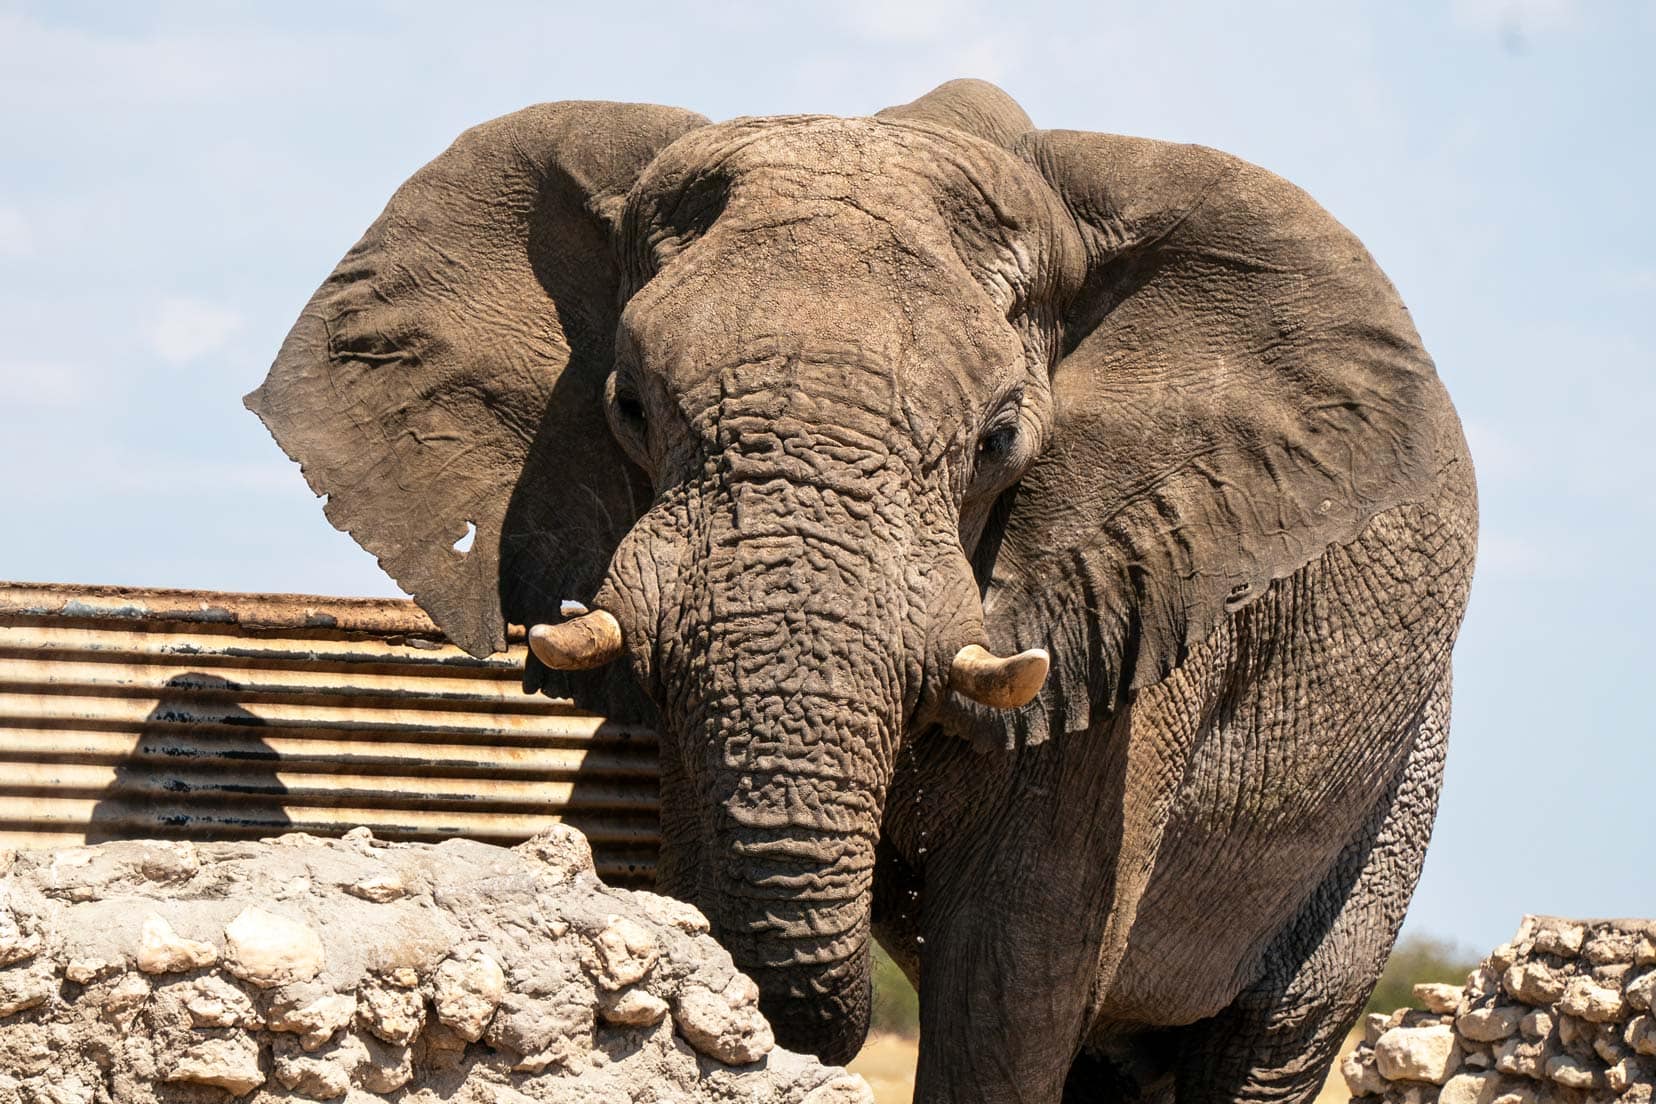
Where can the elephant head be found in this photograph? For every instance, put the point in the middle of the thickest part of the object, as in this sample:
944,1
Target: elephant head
822,415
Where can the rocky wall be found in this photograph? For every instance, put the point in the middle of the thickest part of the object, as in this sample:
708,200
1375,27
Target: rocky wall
358,969
1560,1015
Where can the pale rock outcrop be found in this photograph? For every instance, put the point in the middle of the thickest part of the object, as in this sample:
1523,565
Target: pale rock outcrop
163,951
467,990
266,950
142,972
1417,1054
1560,1015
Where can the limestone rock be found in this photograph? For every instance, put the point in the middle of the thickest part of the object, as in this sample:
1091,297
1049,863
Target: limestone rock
1521,1059
1560,938
624,952
1361,1078
671,912
1533,983
379,888
849,1089
1576,1034
1489,1025
1592,1002
85,971
1375,1025
385,1068
322,1075
1641,1033
1640,991
392,1013
1608,1045
467,991
15,944
1439,998
25,987
1624,1074
265,949
313,1016
543,1031
631,1008
1610,945
212,1001
1470,1088
727,1024
1572,1074
163,951
229,1063
545,986
168,860
561,850
1482,982
124,999
1536,1025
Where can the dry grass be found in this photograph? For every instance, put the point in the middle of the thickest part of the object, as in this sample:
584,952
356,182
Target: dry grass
887,1064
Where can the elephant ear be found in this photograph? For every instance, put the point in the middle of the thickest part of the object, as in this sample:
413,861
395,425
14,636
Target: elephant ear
446,380
1240,388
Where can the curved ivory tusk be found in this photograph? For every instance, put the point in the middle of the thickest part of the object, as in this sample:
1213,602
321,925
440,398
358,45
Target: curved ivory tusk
590,640
989,680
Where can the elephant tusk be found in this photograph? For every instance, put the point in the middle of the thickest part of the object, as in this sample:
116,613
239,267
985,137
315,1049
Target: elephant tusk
989,680
590,640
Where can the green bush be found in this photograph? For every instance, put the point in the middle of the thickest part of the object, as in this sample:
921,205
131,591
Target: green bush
896,1004
1416,959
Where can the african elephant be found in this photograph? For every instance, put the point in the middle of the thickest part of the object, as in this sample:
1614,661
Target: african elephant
844,430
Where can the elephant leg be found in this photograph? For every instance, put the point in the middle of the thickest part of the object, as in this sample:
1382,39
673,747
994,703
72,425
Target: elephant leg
989,1032
1012,926
1275,1042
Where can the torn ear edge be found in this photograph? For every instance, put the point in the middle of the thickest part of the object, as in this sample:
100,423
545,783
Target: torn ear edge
449,372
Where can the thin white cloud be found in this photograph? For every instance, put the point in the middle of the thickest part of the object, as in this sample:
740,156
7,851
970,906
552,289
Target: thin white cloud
16,238
185,329
911,21
40,384
1524,17
78,68
988,58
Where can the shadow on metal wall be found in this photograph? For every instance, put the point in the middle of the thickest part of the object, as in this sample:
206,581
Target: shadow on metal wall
200,768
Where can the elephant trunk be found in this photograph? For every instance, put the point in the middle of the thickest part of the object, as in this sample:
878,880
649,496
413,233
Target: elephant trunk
803,687
789,892
790,656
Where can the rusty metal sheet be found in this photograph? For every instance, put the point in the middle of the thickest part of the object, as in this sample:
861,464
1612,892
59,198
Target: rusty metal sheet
180,714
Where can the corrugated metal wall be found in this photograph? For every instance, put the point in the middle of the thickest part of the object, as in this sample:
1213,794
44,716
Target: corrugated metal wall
197,715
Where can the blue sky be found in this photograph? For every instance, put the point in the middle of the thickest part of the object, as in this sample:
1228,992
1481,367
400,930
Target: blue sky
176,178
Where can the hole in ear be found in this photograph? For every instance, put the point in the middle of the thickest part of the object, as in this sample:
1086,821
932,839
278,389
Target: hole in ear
464,544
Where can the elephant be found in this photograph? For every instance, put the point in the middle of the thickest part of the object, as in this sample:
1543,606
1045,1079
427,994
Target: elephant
1039,551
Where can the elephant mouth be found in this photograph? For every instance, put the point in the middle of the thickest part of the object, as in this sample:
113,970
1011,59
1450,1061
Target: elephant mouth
593,639
788,643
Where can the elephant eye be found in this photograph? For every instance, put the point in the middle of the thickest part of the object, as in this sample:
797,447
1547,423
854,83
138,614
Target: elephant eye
630,407
627,419
997,443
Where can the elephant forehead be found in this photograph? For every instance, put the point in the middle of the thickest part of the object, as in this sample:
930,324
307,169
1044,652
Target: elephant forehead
839,318
867,185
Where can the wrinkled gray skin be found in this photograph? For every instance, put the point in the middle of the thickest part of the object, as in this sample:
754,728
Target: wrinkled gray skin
809,403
